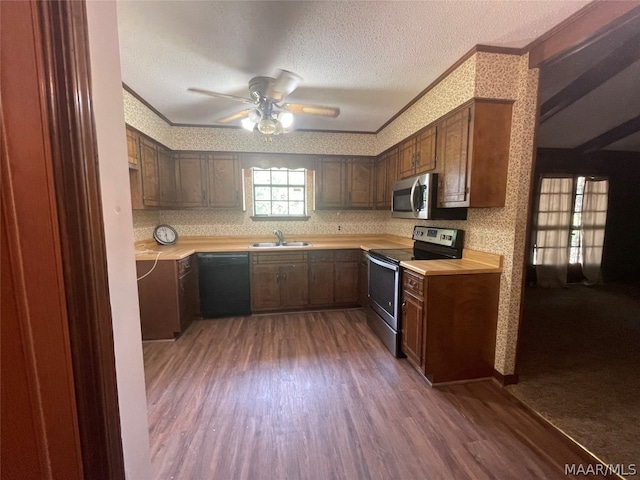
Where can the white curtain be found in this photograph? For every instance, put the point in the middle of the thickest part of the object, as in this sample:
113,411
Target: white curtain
594,218
551,237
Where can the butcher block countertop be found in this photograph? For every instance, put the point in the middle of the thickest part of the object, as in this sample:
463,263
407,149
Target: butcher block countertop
472,261
149,249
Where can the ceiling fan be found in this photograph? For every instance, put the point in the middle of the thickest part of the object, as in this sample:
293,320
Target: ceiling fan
267,114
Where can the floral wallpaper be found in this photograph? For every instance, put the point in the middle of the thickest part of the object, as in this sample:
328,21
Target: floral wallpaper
495,230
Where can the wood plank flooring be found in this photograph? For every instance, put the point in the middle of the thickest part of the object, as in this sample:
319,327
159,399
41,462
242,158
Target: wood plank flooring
316,396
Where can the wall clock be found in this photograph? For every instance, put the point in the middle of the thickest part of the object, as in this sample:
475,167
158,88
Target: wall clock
165,235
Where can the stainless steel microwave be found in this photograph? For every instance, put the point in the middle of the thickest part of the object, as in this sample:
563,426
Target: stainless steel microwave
417,197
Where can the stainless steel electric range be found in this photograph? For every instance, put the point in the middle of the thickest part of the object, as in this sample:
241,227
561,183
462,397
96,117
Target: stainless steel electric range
385,278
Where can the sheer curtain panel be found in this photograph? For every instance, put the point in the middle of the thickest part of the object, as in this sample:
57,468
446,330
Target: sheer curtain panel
594,218
551,238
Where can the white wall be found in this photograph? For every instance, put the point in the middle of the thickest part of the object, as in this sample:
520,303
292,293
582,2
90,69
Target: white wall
116,204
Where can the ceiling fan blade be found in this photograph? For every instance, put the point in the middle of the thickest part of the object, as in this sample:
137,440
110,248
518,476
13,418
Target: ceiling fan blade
311,109
282,86
221,95
234,116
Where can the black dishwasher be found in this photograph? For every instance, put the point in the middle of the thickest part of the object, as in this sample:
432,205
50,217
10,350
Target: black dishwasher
224,284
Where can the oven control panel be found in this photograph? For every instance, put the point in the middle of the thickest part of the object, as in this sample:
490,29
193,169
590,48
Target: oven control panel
446,237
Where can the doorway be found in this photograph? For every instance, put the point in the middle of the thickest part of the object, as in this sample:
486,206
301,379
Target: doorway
579,343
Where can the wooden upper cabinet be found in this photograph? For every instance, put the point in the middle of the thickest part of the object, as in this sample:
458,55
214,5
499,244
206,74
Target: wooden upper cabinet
417,154
191,179
224,181
406,157
453,150
360,182
386,174
425,150
167,172
133,148
345,182
150,173
331,182
473,151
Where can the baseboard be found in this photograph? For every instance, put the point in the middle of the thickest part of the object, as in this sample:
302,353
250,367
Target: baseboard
505,380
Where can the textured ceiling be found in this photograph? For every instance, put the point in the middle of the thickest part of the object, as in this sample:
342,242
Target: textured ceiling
370,58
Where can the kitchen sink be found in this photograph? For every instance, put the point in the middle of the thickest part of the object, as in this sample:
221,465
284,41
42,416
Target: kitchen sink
275,245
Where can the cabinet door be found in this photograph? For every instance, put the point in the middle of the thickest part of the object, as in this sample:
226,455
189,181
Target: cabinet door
346,282
392,175
360,173
412,328
363,281
406,158
265,287
167,173
294,286
150,175
382,163
191,180
225,182
453,145
133,148
331,183
321,283
426,150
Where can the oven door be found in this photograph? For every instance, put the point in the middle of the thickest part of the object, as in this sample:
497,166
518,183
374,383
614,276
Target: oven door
384,283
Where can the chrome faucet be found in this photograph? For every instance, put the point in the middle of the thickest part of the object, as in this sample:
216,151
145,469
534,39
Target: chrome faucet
278,233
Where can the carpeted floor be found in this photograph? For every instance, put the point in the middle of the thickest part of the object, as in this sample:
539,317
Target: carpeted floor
579,365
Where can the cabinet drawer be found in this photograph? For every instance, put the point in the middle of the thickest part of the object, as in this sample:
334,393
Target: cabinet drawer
321,256
413,283
278,258
347,255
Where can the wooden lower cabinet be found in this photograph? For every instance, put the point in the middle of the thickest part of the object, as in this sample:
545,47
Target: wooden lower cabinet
303,280
412,318
449,329
346,274
169,298
363,282
279,281
321,278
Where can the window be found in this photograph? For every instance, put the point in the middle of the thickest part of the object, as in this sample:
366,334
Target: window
569,225
575,246
279,192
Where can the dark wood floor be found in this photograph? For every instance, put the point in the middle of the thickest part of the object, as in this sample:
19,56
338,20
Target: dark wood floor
316,396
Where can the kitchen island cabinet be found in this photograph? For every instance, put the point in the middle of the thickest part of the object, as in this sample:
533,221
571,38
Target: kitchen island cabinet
168,296
449,324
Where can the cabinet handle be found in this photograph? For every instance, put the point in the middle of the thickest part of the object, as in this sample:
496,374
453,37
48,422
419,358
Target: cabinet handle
412,283
404,305
277,277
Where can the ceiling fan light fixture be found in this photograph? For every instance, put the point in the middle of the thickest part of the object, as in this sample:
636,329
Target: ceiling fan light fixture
248,124
267,126
254,115
285,119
